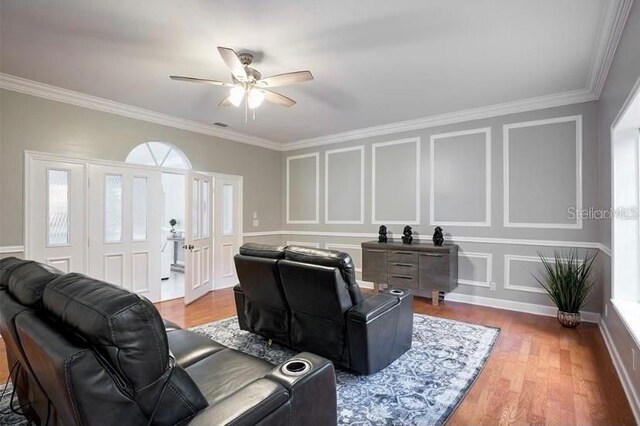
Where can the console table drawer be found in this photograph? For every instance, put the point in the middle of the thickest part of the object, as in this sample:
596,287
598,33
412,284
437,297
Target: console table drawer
403,256
434,271
404,281
402,268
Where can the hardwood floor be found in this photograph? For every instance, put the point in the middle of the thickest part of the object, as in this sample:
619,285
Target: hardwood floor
539,373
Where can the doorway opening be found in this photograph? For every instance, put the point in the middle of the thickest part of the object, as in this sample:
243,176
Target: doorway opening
172,237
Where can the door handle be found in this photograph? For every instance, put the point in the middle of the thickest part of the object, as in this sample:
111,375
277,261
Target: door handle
188,247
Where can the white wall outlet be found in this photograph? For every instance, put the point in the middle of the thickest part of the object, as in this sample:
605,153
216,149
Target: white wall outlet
255,215
634,359
256,222
492,286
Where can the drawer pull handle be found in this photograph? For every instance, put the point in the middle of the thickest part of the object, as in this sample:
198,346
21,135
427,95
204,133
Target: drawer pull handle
404,265
408,253
431,255
377,251
404,277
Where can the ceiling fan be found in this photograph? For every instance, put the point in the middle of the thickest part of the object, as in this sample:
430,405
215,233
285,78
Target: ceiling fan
248,84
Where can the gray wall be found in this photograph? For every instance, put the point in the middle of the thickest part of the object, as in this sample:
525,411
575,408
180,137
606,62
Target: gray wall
32,123
542,185
624,72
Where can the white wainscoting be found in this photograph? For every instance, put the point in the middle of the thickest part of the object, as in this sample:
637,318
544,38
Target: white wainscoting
327,156
398,221
577,119
316,219
432,180
489,268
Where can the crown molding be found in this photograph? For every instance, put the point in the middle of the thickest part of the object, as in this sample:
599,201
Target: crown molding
531,104
612,25
30,87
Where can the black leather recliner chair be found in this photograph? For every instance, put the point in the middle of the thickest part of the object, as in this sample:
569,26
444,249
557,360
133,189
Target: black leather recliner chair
308,299
85,352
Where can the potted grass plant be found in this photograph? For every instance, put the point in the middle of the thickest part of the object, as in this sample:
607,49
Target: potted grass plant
567,280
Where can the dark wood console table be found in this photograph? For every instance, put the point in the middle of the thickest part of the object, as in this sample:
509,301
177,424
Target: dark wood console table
425,268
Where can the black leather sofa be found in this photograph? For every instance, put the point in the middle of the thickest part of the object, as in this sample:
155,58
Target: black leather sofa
85,352
308,299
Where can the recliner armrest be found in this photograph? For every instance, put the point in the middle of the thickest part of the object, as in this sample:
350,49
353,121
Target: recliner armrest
312,387
372,307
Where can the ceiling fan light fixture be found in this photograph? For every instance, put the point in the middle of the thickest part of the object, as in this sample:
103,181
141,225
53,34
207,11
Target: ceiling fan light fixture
255,98
236,94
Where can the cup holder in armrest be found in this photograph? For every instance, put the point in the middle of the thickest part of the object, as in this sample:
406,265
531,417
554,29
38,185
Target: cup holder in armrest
396,292
296,367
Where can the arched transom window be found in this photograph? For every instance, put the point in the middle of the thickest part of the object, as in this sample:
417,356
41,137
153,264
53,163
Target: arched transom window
159,154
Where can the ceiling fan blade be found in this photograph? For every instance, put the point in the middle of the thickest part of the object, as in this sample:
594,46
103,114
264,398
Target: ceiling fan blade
277,98
200,80
287,78
225,102
230,58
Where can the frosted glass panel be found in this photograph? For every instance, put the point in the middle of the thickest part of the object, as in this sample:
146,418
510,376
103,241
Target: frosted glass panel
227,209
175,160
141,155
140,205
58,182
195,208
112,208
206,210
159,150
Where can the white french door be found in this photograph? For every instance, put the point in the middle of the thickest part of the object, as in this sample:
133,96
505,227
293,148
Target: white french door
198,236
54,213
228,196
124,223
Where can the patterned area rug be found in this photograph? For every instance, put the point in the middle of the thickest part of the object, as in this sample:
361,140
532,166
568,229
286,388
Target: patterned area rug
423,387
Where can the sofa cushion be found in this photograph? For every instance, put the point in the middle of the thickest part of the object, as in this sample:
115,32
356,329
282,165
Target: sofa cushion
223,373
26,279
331,258
262,250
188,347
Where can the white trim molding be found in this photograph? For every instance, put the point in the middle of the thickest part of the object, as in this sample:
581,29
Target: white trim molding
315,155
623,374
489,268
374,219
508,258
326,185
46,91
462,239
311,244
611,28
505,169
11,249
488,174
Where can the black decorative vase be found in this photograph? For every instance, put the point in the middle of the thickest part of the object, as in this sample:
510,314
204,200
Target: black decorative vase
382,234
407,235
438,236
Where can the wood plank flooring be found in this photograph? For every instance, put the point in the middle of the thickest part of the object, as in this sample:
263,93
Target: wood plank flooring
538,374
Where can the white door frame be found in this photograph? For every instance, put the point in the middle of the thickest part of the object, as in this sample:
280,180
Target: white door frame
220,281
46,156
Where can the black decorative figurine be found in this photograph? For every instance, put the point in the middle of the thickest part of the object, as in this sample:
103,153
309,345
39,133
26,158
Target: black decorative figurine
382,234
406,235
438,236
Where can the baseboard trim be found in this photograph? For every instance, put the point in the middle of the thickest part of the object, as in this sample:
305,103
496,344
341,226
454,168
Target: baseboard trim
510,305
627,383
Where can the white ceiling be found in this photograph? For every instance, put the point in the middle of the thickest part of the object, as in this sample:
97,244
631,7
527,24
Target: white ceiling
375,61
